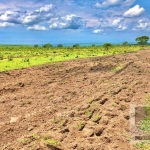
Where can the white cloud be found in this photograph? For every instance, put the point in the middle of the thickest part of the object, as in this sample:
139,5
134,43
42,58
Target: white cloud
117,21
122,27
39,15
6,24
108,3
37,27
134,11
128,2
66,22
11,17
143,24
98,31
93,23
46,8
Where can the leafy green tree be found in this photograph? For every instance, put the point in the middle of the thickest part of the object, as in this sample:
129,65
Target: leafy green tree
93,45
142,40
107,45
48,45
60,46
125,43
76,45
36,46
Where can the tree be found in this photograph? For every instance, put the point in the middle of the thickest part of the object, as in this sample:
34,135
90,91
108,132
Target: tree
93,45
60,46
125,43
107,45
142,40
48,45
76,45
36,46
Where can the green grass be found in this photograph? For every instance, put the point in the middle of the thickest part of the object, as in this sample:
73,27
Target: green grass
145,124
17,57
117,68
143,146
48,140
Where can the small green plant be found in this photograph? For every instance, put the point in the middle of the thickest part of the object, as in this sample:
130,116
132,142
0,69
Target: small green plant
24,141
117,68
63,122
27,140
50,141
109,91
96,118
55,120
90,101
88,113
80,126
26,59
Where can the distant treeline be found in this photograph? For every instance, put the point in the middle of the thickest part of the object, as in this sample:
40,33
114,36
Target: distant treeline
142,40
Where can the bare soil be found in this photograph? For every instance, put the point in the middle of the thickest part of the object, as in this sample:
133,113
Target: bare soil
81,104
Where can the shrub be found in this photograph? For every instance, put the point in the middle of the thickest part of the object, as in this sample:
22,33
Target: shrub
10,58
1,57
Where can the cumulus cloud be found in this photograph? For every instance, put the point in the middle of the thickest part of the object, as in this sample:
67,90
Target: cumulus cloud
46,8
66,22
134,11
98,31
39,15
128,2
37,27
143,24
24,18
11,17
108,3
116,21
6,24
121,27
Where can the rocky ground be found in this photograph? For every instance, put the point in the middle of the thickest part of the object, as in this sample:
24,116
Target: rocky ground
82,104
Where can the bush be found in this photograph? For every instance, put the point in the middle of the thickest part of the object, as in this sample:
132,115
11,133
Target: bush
60,46
107,45
36,46
48,45
76,45
1,57
10,58
26,60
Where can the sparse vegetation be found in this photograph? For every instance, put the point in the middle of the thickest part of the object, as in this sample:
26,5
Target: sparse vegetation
117,68
15,57
81,126
50,141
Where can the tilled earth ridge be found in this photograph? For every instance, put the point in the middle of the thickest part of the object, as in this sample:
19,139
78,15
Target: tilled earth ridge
81,104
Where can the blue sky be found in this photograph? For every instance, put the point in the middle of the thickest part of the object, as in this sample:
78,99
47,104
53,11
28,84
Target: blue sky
73,21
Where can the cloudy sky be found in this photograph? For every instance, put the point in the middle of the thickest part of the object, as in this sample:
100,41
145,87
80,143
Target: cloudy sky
73,21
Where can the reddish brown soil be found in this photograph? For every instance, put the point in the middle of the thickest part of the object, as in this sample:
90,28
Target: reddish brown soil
81,103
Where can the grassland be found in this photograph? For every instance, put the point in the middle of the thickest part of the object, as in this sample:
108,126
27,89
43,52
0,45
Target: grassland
16,57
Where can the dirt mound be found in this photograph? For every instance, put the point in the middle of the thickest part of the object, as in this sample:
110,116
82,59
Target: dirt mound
81,104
